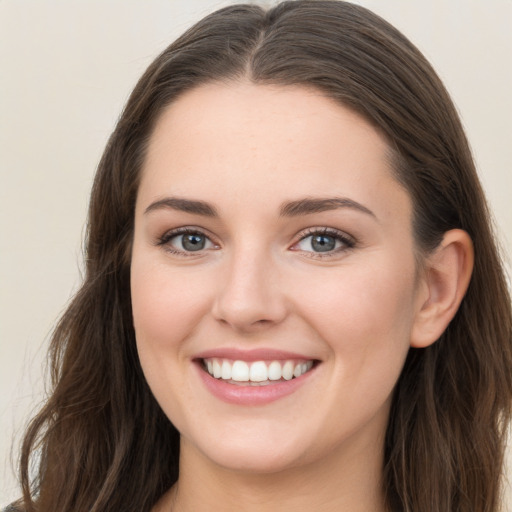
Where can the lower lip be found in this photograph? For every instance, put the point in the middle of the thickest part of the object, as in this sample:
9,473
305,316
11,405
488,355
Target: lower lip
251,395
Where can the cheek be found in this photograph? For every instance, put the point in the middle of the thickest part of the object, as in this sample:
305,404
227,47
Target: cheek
167,304
365,314
167,309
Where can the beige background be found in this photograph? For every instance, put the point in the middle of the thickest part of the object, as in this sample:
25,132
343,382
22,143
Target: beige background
66,68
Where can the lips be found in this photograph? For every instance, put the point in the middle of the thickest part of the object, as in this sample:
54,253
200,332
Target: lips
253,377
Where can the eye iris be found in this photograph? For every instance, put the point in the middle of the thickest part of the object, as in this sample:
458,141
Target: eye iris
323,243
193,242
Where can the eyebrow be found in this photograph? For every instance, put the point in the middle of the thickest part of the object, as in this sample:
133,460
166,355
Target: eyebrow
305,206
308,206
184,205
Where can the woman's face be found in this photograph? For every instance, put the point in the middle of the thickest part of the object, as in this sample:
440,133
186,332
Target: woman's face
271,239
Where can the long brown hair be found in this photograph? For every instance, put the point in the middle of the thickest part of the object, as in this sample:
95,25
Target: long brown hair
101,442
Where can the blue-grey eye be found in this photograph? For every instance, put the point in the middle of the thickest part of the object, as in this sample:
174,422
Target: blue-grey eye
323,243
319,243
190,242
193,242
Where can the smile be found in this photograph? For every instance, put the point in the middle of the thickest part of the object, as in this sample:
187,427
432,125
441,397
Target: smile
256,373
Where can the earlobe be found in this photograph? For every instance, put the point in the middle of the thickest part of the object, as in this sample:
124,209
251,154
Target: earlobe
446,275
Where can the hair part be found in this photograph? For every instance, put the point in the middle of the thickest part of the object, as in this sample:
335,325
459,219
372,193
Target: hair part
104,442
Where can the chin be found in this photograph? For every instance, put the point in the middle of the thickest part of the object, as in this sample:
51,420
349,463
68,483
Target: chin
254,461
252,453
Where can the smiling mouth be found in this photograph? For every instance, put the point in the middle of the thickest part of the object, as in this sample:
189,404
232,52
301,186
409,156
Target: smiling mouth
255,373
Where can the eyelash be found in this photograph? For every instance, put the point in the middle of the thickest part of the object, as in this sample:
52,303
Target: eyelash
164,240
347,241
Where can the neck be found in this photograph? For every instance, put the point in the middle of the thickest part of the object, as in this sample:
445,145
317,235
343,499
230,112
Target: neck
350,481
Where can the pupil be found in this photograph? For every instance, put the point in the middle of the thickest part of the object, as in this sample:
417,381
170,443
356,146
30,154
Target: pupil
193,242
323,243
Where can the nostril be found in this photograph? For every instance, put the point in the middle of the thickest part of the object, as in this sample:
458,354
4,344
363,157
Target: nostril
238,322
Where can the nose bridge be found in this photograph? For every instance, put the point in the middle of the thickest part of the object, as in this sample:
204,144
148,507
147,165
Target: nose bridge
248,295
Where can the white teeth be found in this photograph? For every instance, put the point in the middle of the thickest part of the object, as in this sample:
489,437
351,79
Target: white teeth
239,371
226,370
257,372
217,369
274,371
288,370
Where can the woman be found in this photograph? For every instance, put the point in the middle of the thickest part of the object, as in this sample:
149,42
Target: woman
292,297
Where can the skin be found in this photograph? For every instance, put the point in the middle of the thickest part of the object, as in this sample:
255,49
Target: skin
246,150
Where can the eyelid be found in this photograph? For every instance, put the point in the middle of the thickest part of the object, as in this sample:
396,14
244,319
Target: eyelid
347,240
164,240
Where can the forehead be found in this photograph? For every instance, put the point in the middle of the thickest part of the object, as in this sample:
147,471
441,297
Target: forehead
247,139
275,115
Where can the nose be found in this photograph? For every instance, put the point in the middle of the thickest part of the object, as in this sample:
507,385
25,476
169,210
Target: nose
250,297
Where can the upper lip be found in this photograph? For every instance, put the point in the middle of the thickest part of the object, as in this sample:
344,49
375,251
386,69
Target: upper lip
258,354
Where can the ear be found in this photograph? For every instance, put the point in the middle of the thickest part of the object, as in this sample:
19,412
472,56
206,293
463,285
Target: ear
444,281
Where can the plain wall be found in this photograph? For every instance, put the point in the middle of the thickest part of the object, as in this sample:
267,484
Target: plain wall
66,69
